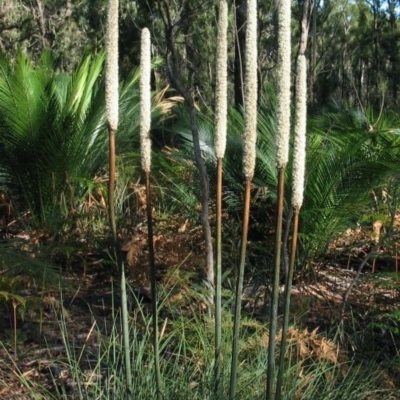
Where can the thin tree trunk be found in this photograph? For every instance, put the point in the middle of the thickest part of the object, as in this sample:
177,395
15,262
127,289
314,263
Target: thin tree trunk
175,78
41,23
205,195
240,47
313,63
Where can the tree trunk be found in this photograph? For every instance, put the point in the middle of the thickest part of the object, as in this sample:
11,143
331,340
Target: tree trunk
175,77
240,47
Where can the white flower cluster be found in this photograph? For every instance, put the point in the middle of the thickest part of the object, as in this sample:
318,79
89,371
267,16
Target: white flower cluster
300,132
221,81
145,99
284,77
112,65
250,94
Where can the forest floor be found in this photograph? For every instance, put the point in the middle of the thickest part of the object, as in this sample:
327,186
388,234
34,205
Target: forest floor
363,320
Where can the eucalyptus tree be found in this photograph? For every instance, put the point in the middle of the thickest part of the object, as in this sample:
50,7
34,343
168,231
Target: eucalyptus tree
59,25
354,52
177,21
69,28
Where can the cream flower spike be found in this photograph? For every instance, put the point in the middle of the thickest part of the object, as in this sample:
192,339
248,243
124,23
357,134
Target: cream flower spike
145,99
112,79
300,133
284,77
221,82
250,94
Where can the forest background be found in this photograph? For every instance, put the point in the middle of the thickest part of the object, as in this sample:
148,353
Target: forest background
53,183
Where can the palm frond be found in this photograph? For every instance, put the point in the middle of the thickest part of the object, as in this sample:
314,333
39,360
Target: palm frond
350,152
48,124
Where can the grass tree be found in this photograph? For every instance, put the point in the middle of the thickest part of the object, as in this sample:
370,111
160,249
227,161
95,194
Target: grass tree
112,110
297,192
282,155
145,144
220,146
112,99
299,162
249,161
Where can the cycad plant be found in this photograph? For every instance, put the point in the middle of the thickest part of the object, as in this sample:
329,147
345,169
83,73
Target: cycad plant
145,144
51,129
351,151
249,161
220,146
282,155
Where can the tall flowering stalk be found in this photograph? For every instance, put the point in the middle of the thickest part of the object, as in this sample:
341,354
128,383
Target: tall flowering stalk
112,109
220,146
112,98
282,155
299,161
145,145
297,196
249,161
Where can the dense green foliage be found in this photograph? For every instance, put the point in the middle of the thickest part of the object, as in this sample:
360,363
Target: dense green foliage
51,129
353,47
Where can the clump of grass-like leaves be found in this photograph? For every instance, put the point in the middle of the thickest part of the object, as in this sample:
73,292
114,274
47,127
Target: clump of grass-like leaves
90,367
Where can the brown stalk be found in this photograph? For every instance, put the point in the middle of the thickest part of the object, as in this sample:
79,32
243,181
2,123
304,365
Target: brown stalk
111,201
218,279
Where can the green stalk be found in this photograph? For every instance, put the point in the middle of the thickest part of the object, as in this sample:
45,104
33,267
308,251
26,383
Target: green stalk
125,332
288,291
275,286
154,300
145,144
220,146
239,290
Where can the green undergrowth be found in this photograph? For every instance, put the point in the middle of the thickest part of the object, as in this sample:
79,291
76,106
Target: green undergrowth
93,367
